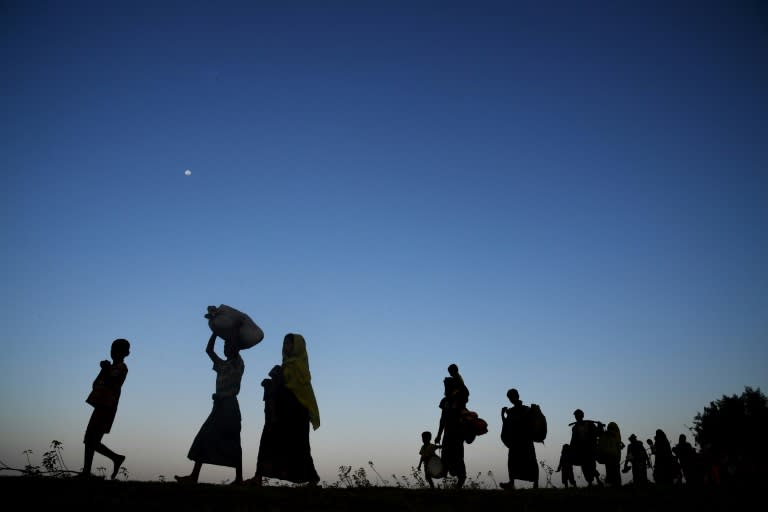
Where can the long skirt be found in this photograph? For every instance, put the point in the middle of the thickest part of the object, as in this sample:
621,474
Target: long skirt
284,450
613,470
521,461
218,441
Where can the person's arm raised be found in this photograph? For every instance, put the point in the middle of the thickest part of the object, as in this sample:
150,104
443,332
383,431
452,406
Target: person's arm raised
209,349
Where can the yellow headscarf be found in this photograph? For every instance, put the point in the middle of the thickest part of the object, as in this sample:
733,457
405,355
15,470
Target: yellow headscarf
298,379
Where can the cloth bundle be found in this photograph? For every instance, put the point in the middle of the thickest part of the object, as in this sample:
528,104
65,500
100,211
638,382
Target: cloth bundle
225,320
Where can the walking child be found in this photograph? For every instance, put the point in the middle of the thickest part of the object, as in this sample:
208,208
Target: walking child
104,398
427,451
566,467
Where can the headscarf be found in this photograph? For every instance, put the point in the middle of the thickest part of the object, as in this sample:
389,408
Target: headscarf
613,444
298,379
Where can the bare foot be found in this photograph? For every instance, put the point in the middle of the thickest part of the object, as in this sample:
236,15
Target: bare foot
118,462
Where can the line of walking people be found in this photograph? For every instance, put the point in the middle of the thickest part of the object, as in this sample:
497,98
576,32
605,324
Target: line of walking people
458,425
593,443
290,407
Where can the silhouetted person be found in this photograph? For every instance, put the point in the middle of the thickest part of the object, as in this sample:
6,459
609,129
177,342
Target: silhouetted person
521,457
688,460
637,459
584,446
651,451
426,452
218,440
104,398
609,449
289,454
269,442
453,444
462,389
664,465
565,466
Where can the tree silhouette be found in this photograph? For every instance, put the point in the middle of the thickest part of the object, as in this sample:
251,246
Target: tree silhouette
732,433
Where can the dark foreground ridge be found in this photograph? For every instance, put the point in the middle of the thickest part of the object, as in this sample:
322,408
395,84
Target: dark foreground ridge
39,493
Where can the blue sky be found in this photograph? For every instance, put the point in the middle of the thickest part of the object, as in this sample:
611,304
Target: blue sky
568,198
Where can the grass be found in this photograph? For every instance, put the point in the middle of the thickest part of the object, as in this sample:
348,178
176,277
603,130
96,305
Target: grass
39,492
52,484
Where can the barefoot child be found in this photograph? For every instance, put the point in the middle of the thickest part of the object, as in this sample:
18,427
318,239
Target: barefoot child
426,452
566,467
104,398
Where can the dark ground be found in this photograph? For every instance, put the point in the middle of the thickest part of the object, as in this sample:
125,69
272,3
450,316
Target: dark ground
45,493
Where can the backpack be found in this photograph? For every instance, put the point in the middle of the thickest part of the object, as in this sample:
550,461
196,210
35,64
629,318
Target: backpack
537,424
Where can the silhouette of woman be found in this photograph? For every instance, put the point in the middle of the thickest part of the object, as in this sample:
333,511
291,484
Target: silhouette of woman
288,454
218,440
665,469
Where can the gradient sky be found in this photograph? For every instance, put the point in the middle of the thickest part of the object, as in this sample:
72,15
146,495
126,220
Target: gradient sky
569,198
